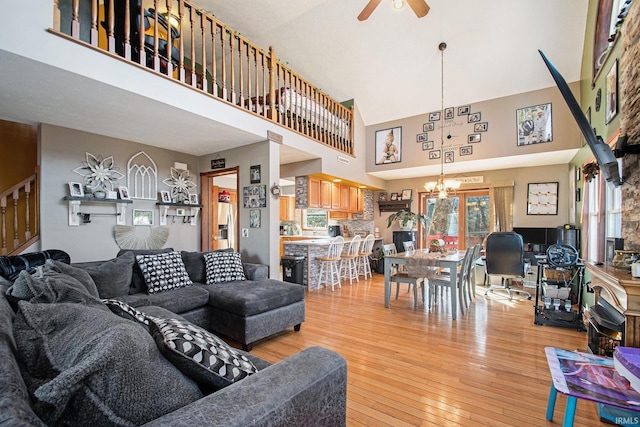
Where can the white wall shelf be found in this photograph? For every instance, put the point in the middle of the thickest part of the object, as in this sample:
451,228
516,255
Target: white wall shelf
187,213
76,217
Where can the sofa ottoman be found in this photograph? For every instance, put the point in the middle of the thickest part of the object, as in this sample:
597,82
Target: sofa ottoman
249,310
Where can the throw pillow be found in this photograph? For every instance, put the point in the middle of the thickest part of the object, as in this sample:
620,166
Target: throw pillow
199,354
112,277
79,274
163,272
137,279
85,366
223,267
125,311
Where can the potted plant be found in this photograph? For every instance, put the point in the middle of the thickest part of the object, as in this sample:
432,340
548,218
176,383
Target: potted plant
407,219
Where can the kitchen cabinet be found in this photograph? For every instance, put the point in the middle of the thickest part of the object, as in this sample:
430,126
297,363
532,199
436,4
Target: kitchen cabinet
325,194
287,208
353,199
344,198
314,192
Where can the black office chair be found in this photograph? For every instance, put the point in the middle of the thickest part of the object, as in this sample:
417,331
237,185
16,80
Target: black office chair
504,256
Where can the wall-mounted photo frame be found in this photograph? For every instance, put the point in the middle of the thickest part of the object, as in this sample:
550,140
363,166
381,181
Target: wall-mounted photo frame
474,117
435,154
474,137
165,197
142,217
534,124
466,151
464,110
75,189
255,196
254,173
448,113
542,198
481,127
394,196
428,127
193,199
611,93
254,218
427,145
434,117
389,146
124,192
448,157
406,194
421,137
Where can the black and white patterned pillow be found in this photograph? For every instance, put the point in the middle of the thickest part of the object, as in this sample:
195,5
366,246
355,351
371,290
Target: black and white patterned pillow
199,354
124,310
163,272
223,267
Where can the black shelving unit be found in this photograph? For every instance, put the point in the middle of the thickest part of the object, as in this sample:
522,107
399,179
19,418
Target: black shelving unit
560,318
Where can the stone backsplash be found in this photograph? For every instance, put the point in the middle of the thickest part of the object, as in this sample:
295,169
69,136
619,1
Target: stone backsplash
629,98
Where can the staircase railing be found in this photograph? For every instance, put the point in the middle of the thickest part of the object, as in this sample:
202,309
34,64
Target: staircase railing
193,47
19,216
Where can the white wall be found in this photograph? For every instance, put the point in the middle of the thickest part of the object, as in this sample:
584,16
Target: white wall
61,151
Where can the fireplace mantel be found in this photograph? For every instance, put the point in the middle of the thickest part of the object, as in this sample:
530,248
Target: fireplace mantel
623,292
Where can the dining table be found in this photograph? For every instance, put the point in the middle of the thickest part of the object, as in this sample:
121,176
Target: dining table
451,260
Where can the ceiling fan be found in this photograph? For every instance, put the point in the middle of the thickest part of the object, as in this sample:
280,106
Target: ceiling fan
419,7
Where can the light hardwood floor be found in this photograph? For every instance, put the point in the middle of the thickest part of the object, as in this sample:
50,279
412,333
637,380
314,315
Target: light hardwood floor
411,367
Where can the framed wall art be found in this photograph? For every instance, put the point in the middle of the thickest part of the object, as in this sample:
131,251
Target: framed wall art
389,146
254,218
254,196
611,93
427,145
428,127
421,137
75,189
466,151
142,217
463,111
474,137
534,124
435,116
542,198
254,172
406,194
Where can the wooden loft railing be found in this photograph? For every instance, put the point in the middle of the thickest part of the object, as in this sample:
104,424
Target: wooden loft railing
204,53
19,215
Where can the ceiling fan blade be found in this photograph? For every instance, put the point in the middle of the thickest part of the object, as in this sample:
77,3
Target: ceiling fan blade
368,9
419,7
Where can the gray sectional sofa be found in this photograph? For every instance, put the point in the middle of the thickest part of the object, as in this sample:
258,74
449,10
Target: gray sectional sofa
120,376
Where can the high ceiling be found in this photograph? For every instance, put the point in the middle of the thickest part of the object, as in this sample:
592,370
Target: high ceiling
390,64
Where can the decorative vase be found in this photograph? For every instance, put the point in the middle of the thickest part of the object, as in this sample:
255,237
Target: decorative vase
408,225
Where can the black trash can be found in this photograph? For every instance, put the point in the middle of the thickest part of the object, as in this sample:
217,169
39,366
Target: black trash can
293,268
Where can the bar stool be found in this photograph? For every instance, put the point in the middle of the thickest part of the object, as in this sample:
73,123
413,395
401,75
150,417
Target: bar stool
332,263
366,250
349,261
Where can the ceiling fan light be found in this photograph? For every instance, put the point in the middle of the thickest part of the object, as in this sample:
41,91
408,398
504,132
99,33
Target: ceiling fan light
398,4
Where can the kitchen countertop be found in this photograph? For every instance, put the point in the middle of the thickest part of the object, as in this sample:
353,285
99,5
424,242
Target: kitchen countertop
317,241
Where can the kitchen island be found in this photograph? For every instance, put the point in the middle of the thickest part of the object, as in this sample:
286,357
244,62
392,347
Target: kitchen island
311,249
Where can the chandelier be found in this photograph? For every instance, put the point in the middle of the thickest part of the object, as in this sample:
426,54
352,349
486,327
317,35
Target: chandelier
442,188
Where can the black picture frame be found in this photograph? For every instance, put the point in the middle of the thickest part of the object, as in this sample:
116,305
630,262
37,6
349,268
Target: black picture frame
464,110
481,127
254,174
542,198
389,146
534,124
474,137
434,117
474,117
428,127
611,93
466,150
394,196
427,145
422,137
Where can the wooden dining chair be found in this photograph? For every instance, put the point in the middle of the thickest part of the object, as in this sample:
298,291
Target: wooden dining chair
349,261
331,262
401,276
366,250
443,281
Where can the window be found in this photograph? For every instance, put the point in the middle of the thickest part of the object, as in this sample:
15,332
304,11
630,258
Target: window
603,216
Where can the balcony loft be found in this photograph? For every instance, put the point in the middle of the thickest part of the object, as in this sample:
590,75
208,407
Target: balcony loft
208,56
